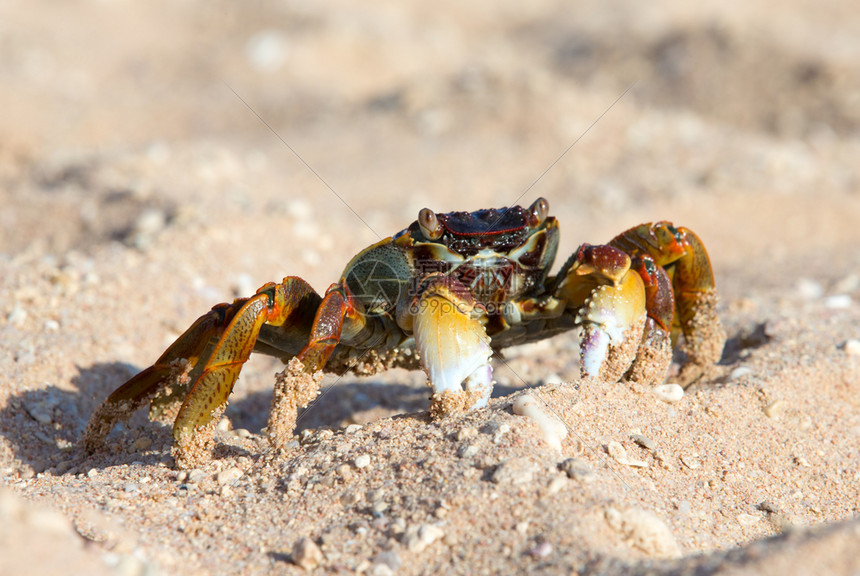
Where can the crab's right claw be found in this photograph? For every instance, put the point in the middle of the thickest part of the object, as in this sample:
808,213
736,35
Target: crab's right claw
610,303
453,345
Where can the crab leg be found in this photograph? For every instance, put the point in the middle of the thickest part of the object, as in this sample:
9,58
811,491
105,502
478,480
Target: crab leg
683,255
298,384
171,368
208,371
610,303
453,345
655,352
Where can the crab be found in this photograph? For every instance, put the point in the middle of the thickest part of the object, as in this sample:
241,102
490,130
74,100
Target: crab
445,295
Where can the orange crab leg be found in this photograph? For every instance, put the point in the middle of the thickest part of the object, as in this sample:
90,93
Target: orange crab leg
274,304
182,355
207,370
298,385
684,257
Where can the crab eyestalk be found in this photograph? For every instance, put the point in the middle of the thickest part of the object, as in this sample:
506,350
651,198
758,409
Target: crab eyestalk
538,212
429,224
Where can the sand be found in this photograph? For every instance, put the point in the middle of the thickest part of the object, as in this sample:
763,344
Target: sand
158,158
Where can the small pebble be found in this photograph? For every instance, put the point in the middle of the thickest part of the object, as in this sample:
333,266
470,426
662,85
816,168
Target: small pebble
468,451
809,289
740,372
42,409
381,570
17,316
747,520
196,476
362,461
353,428
552,430
669,393
838,302
852,347
542,550
228,476
556,485
515,471
690,462
307,554
51,326
496,429
577,469
346,473
267,50
397,526
389,559
306,435
619,454
774,409
644,441
645,531
351,498
141,444
418,541
848,284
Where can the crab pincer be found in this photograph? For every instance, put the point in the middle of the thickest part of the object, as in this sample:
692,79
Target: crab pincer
609,299
453,345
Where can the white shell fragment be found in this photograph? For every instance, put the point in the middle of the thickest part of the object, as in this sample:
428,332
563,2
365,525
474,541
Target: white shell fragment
669,393
552,430
852,347
362,461
619,454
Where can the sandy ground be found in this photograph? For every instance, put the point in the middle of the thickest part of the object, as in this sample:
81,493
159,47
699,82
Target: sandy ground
149,168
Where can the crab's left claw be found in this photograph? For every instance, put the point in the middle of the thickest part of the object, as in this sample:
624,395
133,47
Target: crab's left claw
610,299
453,345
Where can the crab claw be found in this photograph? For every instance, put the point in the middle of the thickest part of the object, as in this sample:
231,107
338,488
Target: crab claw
655,353
453,346
610,298
682,254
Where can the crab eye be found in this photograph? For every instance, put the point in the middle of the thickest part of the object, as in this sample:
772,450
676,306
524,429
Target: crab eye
429,224
538,212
